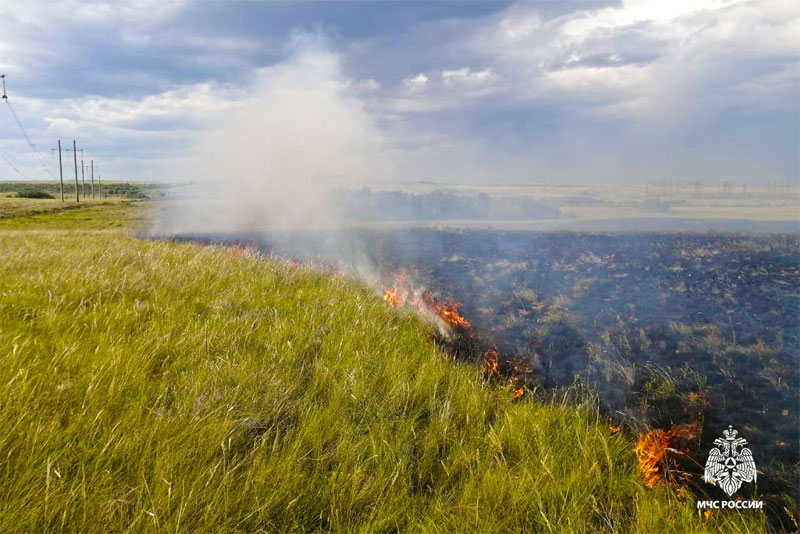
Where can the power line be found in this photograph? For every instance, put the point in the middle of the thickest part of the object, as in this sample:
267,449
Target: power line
33,146
13,167
39,156
12,161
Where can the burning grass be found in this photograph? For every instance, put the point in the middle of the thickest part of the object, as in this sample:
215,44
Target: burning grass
422,301
657,450
153,386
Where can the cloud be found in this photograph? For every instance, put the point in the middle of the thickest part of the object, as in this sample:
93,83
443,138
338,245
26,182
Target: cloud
117,130
447,89
575,89
416,83
638,90
194,104
63,26
467,76
651,54
370,85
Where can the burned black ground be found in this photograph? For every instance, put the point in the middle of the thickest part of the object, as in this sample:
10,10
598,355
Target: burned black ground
667,328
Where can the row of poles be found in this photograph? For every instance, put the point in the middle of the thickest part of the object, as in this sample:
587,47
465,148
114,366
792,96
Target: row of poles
74,151
78,192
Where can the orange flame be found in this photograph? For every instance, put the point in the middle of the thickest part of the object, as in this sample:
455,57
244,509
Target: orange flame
244,251
402,294
449,312
391,298
490,366
651,451
516,390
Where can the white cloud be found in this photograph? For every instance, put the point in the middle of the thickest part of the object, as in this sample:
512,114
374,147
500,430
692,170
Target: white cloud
416,83
589,81
647,56
192,103
33,32
603,93
638,11
112,130
449,89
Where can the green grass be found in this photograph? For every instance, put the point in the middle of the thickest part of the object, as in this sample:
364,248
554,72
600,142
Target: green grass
157,386
92,214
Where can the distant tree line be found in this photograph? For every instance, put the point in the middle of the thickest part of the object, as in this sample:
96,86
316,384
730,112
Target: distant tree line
111,189
439,205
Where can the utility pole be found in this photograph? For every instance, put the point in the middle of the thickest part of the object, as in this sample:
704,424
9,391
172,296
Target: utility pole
75,157
92,167
60,169
73,149
83,179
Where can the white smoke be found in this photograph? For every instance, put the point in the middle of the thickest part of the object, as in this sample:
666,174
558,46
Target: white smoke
272,163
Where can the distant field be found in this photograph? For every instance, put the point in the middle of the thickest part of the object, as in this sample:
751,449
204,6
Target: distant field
11,207
27,214
507,207
603,202
101,190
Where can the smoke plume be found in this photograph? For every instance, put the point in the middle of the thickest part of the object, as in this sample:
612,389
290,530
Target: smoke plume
272,163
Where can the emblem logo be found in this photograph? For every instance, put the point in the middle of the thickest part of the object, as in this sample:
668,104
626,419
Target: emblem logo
729,467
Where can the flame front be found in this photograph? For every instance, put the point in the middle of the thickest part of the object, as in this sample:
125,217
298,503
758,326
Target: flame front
491,368
391,298
448,311
403,294
651,451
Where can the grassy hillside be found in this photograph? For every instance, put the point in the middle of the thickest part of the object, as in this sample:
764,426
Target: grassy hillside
154,386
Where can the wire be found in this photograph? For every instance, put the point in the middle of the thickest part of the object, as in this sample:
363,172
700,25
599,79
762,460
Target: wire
33,146
10,164
11,158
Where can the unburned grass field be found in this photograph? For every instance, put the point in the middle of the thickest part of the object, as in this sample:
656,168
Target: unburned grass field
158,386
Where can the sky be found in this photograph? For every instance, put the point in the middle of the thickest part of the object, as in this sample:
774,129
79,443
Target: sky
560,92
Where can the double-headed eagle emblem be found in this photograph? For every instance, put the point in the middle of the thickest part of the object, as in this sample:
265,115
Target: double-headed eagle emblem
729,467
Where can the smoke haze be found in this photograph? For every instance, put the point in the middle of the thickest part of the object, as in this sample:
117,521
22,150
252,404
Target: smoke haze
273,162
